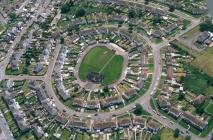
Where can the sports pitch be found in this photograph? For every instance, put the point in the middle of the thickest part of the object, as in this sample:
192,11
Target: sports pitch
104,61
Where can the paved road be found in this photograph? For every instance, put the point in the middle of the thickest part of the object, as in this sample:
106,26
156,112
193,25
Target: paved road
144,100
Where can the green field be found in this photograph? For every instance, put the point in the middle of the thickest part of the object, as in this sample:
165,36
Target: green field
209,109
197,81
103,61
204,61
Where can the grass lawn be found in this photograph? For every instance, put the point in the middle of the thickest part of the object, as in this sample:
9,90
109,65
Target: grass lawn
209,109
103,61
192,32
2,28
180,46
196,81
167,134
65,135
204,61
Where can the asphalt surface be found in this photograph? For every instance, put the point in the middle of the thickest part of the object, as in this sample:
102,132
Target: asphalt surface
143,100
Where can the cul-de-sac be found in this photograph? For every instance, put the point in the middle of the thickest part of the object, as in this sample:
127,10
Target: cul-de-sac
106,70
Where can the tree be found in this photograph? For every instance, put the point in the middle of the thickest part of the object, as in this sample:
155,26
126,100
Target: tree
156,20
12,16
171,8
80,12
120,23
147,2
65,8
206,26
188,138
61,39
200,110
131,13
176,133
181,97
138,109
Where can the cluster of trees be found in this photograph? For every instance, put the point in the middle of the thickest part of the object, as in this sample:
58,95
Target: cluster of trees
12,16
138,110
206,26
65,8
156,20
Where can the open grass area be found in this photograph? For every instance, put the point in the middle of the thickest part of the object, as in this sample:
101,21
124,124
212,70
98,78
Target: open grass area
192,32
103,61
168,134
204,61
181,47
197,81
209,109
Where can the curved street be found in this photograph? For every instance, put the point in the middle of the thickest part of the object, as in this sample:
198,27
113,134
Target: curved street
143,100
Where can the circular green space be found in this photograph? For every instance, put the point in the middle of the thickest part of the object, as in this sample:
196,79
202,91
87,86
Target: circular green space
103,61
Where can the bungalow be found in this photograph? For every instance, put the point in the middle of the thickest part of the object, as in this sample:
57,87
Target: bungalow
118,18
199,100
153,127
49,107
102,30
104,125
168,29
38,68
175,112
157,34
88,32
78,124
170,72
38,131
165,90
92,104
124,123
139,122
79,102
46,103
139,84
62,91
61,119
189,118
203,37
111,101
130,93
16,112
163,102
79,21
144,58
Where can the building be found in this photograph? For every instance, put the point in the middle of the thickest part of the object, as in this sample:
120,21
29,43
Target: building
38,131
203,37
175,112
139,122
163,102
92,104
38,68
170,72
130,93
193,120
79,102
111,101
78,124
124,123
199,100
153,127
104,125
